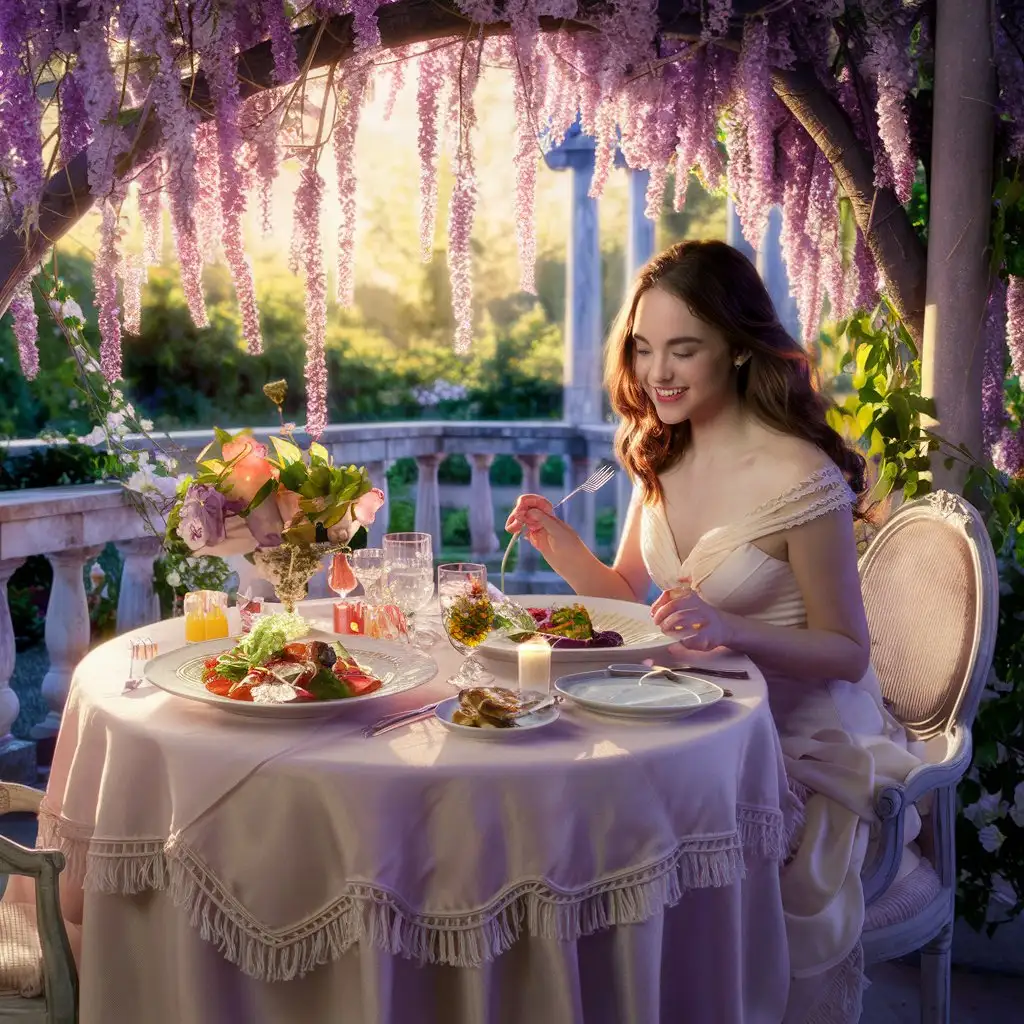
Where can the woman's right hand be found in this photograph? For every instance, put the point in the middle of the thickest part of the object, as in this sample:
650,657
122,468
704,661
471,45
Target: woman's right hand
533,516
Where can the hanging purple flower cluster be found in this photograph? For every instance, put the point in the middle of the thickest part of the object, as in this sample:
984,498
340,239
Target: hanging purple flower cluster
667,106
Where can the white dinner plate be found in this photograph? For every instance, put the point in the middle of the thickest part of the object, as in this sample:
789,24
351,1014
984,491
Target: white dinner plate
528,723
626,697
641,638
399,666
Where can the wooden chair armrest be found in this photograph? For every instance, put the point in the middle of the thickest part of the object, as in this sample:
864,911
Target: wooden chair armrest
891,803
16,859
60,976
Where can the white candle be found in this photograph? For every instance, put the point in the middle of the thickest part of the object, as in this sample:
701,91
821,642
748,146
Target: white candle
534,665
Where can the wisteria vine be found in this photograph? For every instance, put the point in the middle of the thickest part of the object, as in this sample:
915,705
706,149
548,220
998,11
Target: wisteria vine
700,101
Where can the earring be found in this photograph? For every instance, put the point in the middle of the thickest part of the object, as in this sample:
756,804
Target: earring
739,361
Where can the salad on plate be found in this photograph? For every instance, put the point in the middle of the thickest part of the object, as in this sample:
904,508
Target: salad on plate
568,626
274,664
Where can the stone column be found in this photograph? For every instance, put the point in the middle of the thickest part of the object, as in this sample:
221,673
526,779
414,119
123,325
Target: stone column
640,230
428,498
67,632
772,269
580,510
379,475
9,705
960,198
528,558
483,540
583,397
734,232
623,496
135,598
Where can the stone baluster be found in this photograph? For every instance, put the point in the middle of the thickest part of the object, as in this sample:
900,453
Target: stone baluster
428,497
67,632
379,475
580,510
482,538
17,757
135,598
9,706
528,557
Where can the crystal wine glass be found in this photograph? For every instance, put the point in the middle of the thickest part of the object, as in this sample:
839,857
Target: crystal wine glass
409,575
368,566
467,614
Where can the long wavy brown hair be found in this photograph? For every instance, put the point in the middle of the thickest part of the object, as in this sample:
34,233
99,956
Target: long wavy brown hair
720,286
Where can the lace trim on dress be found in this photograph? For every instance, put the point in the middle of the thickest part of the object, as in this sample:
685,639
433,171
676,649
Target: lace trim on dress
843,1000
371,913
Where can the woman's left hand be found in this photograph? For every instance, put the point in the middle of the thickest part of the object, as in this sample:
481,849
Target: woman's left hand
682,614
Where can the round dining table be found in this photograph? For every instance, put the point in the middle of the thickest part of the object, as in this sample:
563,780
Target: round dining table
599,870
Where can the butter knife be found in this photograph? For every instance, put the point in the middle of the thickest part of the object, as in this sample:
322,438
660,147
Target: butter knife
642,670
389,722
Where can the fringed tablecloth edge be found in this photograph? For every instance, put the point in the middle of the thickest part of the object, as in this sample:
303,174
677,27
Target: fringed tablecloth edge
371,913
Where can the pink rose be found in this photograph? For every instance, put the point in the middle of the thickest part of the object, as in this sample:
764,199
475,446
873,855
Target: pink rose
287,504
365,509
251,471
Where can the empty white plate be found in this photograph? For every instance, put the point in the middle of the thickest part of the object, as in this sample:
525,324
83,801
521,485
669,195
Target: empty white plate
528,723
626,697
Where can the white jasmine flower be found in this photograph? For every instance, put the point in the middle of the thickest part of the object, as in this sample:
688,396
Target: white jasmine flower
991,838
95,436
173,580
147,425
1003,890
1017,810
988,807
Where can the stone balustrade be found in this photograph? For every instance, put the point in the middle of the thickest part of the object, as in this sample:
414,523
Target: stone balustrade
70,525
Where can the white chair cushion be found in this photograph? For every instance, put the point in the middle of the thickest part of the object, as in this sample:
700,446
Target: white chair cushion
21,956
904,899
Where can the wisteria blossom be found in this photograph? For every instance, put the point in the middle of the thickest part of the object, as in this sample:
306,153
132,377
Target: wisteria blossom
26,331
1015,325
993,410
700,98
309,250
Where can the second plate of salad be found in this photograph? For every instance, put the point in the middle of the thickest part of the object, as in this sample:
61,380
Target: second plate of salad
596,629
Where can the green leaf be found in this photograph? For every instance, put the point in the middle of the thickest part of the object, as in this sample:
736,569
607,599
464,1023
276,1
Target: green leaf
222,436
293,476
287,453
259,497
901,408
922,405
318,452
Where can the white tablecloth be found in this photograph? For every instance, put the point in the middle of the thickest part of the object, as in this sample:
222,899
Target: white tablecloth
601,870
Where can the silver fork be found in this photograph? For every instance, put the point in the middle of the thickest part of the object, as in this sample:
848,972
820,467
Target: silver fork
593,483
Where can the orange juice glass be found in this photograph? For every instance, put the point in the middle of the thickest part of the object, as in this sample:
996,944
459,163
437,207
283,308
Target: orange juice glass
206,616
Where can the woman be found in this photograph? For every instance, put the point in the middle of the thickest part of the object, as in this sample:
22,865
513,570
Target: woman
743,515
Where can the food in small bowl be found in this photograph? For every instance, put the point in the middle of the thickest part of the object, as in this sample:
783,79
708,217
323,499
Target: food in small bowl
568,626
274,665
490,707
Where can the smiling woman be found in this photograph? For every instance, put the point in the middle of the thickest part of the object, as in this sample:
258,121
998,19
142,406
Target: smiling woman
698,330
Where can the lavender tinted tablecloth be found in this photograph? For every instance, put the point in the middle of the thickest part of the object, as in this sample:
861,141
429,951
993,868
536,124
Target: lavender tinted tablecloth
600,870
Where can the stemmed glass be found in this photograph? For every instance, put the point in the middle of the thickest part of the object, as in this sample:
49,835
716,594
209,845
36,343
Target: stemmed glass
467,614
409,574
368,567
340,576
